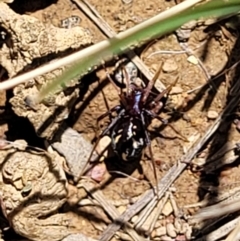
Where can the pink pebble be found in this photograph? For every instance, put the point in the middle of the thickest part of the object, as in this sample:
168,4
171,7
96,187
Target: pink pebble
98,172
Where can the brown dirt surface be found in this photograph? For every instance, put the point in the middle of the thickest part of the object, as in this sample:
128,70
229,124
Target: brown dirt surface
193,105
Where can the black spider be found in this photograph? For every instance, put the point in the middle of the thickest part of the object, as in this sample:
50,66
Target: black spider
137,108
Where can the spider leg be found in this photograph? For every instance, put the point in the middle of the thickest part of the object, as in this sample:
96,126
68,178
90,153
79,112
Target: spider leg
120,62
151,84
165,122
120,93
153,115
148,143
111,80
111,125
114,109
166,91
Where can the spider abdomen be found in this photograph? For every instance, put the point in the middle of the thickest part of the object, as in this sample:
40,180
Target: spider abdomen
128,142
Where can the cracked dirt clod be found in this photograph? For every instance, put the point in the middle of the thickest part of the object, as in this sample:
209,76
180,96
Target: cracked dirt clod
31,214
45,119
28,39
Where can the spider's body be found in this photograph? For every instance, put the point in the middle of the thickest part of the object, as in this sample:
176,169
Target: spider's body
128,140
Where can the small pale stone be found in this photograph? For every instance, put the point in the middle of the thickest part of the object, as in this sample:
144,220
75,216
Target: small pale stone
185,227
176,90
134,219
160,231
177,225
171,230
212,115
121,209
20,145
85,202
98,172
103,143
192,59
169,66
18,184
167,209
199,161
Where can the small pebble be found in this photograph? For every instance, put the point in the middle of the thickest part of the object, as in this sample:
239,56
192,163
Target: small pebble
169,66
185,227
171,230
176,90
84,202
183,34
134,218
212,115
103,143
31,102
18,184
186,117
160,231
177,225
98,172
199,162
121,209
20,145
167,209
192,59
181,238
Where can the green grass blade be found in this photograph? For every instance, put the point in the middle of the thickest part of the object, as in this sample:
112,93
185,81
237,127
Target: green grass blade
139,34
